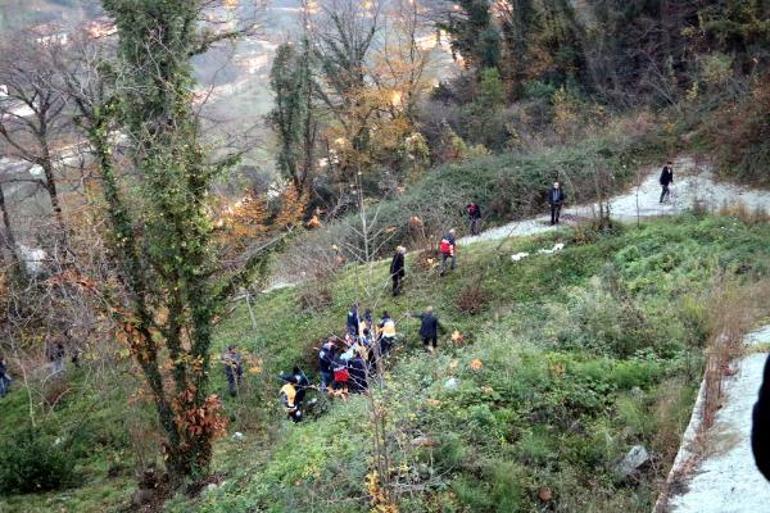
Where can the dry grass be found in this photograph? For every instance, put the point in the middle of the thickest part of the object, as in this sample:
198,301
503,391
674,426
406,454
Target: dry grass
472,299
733,311
741,211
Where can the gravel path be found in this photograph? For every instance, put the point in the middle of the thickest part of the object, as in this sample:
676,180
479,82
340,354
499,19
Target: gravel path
691,184
727,481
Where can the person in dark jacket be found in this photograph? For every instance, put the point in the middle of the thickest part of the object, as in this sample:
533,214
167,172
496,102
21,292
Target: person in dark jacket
760,429
447,250
556,199
358,374
666,179
326,363
5,378
397,270
353,320
231,359
429,328
301,383
474,217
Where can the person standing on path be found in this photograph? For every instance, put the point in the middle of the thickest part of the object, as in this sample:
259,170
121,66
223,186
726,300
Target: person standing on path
556,198
666,179
447,249
474,217
398,270
429,328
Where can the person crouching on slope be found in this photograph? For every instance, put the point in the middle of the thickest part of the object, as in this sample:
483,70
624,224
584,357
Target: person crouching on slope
429,328
447,249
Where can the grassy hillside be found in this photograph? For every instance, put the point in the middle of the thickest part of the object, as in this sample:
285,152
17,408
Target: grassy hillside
583,355
571,360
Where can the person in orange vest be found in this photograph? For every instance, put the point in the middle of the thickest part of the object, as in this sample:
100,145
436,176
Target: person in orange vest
447,249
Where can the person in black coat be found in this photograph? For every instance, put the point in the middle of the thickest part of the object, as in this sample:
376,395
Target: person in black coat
474,217
760,429
5,379
326,363
666,179
353,320
398,270
429,328
358,374
556,198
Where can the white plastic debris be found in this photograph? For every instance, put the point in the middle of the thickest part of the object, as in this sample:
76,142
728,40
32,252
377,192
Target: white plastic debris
519,256
555,249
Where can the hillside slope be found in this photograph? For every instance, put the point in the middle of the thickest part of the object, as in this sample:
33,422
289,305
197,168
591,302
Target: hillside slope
573,359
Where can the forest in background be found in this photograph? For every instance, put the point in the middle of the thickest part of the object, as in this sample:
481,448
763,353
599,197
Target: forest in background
133,222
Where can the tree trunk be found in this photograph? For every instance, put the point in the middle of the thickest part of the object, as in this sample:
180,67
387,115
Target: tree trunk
10,240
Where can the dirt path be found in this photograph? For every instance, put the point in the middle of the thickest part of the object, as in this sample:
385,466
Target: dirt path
691,184
726,480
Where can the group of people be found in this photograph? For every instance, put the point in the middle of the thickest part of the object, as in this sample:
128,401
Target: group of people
345,364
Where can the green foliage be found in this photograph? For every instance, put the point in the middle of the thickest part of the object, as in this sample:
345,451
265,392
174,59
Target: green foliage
34,462
292,116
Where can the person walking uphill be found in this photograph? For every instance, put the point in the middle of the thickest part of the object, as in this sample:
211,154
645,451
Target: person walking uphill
398,270
474,217
447,249
666,179
429,328
556,198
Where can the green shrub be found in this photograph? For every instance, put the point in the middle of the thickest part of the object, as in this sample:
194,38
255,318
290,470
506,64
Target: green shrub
33,462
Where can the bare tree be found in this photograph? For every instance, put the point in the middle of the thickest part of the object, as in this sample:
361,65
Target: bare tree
34,122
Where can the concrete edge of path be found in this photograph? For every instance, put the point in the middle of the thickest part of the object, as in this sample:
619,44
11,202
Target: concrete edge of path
691,455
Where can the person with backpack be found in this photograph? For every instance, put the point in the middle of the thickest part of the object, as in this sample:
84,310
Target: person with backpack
447,249
387,329
326,362
5,378
474,217
666,179
231,359
556,198
429,328
397,270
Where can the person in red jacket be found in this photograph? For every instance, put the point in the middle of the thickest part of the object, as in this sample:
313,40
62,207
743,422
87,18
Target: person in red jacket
447,249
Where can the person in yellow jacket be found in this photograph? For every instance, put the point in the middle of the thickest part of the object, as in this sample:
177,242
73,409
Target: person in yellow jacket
387,328
293,393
